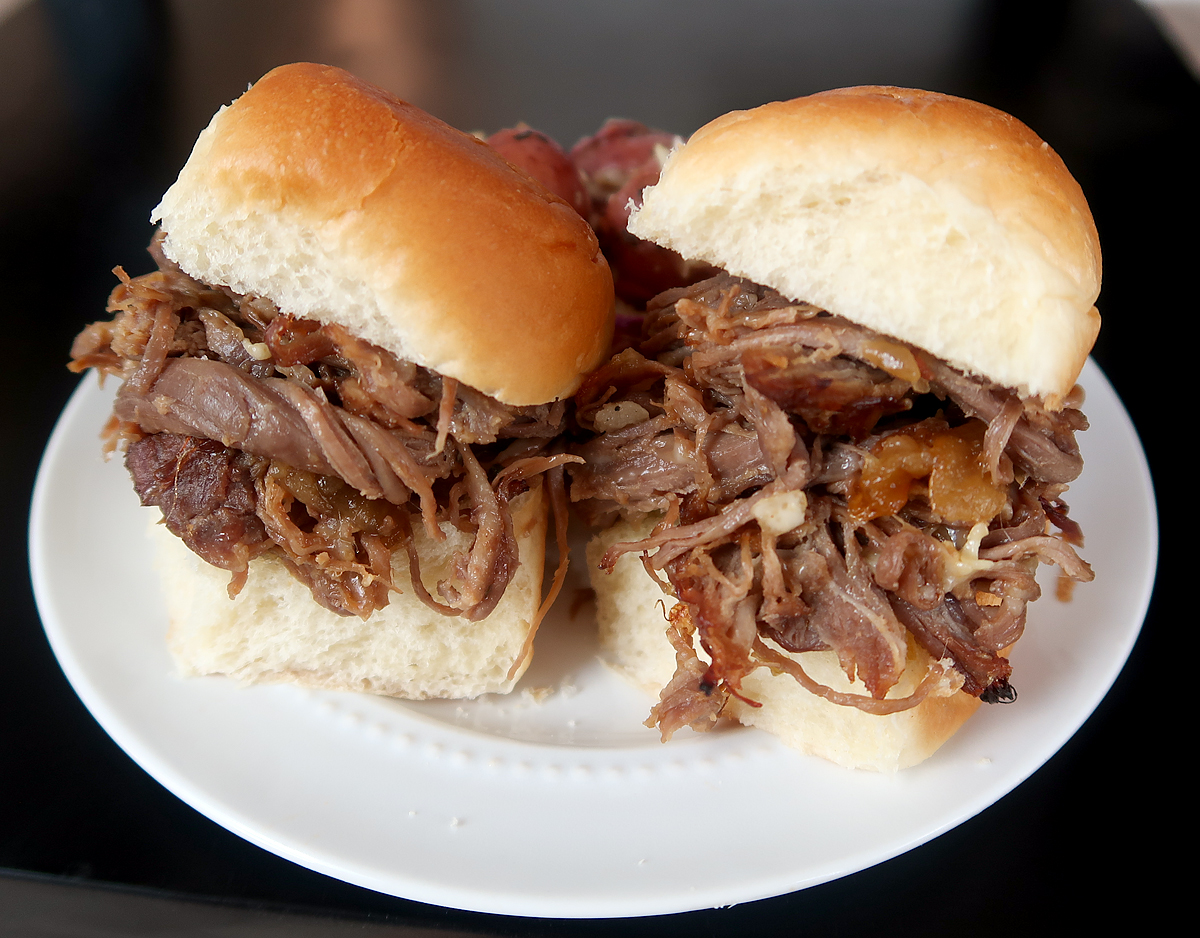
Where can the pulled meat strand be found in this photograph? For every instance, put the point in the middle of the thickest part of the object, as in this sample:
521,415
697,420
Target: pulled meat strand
783,612
445,412
333,554
226,338
1056,512
322,421
482,573
939,681
414,572
776,436
912,565
154,358
385,379
673,542
945,632
851,614
391,459
1000,626
1050,457
274,418
995,440
720,597
687,700
1047,549
559,512
1026,518
486,571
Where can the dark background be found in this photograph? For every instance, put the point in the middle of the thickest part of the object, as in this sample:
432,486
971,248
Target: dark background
99,104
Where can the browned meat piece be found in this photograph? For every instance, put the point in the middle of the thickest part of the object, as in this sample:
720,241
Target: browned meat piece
206,493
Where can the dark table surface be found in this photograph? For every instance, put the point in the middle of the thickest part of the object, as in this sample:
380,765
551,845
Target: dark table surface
99,103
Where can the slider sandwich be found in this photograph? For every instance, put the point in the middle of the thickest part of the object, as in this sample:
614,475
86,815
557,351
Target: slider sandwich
342,390
837,465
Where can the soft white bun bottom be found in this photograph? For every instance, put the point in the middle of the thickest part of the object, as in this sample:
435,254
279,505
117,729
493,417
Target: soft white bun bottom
631,614
273,631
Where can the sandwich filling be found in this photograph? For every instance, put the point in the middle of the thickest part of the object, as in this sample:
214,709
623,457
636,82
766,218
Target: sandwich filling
255,431
822,486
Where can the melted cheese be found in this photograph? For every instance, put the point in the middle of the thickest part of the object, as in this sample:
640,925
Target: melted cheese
782,512
962,565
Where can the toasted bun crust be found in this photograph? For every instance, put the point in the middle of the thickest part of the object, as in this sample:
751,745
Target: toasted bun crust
633,634
934,219
273,632
342,203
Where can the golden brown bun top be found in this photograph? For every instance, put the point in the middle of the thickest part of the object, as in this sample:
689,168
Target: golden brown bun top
940,221
342,203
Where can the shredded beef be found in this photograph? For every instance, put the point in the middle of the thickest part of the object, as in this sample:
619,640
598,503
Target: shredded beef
927,496
257,431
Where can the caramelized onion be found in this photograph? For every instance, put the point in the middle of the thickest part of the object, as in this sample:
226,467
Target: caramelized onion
959,487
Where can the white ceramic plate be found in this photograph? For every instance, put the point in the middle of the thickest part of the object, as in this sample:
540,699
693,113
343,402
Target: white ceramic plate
554,801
